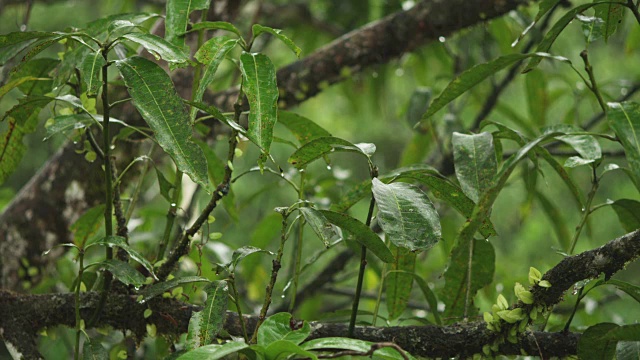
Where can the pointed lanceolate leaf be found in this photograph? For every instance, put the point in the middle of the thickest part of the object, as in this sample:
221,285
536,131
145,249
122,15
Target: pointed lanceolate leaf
121,242
302,128
13,43
475,162
326,231
454,293
362,234
91,69
242,253
177,19
11,146
159,47
406,215
624,119
211,55
156,99
612,13
628,212
87,224
585,145
399,281
259,84
258,29
123,272
218,25
321,146
475,75
214,351
39,68
205,326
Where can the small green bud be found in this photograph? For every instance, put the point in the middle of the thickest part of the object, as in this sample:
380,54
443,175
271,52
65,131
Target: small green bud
534,275
147,313
488,318
544,284
502,302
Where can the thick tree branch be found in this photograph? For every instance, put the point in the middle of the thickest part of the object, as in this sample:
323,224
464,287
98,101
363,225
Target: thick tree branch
24,315
374,44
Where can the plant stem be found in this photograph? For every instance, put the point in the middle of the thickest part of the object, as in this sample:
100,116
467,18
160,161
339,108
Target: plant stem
467,297
77,304
634,9
236,302
298,250
276,265
171,214
592,78
106,150
363,265
585,211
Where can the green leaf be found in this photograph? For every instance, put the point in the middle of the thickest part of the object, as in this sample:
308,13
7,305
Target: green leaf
475,162
205,325
243,252
215,112
362,234
471,77
11,146
159,47
557,220
326,231
429,296
329,343
591,346
593,27
259,84
165,186
628,350
624,119
550,37
544,7
585,145
36,68
216,170
156,99
177,19
537,97
87,225
406,215
320,147
418,104
399,281
259,29
121,242
283,349
628,212
482,269
13,43
612,13
630,289
91,69
211,54
123,272
212,352
218,25
302,128
93,350
278,327
159,288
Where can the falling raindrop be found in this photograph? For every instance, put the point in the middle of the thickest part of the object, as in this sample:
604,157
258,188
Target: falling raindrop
328,167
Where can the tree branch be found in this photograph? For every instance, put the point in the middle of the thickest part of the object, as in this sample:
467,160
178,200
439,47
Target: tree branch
24,315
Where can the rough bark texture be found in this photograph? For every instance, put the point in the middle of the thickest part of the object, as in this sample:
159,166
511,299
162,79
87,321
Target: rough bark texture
24,315
373,44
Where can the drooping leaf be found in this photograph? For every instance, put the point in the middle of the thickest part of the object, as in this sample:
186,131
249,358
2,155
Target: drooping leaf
219,25
13,43
215,112
214,351
362,346
156,99
320,147
475,162
591,346
550,37
471,77
544,7
361,233
406,215
121,242
259,84
159,47
585,145
165,185
612,13
154,290
177,19
91,69
258,29
556,218
243,252
537,97
93,350
630,289
205,325
36,68
429,296
87,224
302,128
216,170
624,119
455,290
123,272
628,212
278,327
211,54
399,281
326,231
593,27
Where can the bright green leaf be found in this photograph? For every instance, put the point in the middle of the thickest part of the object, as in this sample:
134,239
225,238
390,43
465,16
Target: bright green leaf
204,327
319,147
159,47
283,349
258,29
326,231
177,18
278,327
475,162
215,351
302,128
